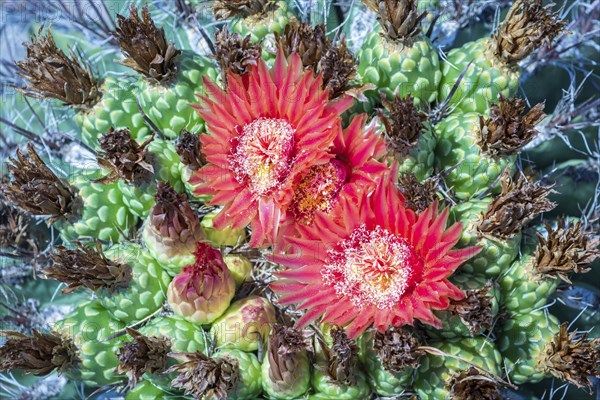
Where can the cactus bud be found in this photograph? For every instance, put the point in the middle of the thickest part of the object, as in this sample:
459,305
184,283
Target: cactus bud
202,291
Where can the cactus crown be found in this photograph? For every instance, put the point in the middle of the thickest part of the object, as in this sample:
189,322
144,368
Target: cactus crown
203,377
36,189
226,9
399,19
143,354
473,384
89,268
508,128
53,74
309,42
39,354
528,26
418,195
403,124
475,309
519,203
572,359
172,214
189,148
234,53
124,158
567,249
341,358
397,349
145,46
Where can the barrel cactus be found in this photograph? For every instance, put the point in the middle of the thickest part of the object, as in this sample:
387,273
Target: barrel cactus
277,199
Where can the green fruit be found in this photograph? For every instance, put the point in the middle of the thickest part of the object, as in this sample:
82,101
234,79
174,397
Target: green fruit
249,385
400,69
522,341
146,292
486,78
221,237
184,336
168,104
383,382
117,109
326,389
239,266
245,324
475,172
471,316
436,373
104,214
496,254
90,326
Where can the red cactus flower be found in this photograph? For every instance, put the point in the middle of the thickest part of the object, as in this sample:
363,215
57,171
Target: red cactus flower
265,130
376,263
354,168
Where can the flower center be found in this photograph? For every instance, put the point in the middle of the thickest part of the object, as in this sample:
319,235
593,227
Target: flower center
372,267
318,190
263,154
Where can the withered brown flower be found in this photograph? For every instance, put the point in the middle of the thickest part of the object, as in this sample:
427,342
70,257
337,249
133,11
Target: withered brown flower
403,123
397,349
509,127
39,354
399,19
529,25
38,190
572,358
189,149
146,46
234,53
226,9
124,157
568,248
518,204
87,267
53,74
143,354
203,377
